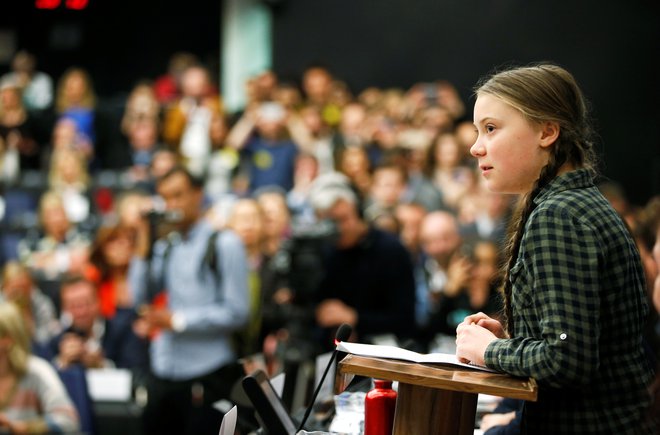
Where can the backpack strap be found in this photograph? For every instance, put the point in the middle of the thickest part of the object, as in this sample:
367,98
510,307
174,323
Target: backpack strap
156,285
211,255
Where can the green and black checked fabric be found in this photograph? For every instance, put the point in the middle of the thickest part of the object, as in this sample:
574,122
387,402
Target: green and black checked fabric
579,304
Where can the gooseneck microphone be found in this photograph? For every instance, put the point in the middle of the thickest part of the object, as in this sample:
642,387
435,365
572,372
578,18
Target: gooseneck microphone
343,333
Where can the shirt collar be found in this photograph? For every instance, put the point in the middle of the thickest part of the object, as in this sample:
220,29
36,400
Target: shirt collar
577,179
176,237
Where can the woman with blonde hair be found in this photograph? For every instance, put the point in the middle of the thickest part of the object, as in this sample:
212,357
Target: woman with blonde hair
37,309
32,398
75,99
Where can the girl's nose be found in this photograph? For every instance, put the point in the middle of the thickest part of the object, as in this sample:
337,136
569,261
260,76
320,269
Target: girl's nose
477,150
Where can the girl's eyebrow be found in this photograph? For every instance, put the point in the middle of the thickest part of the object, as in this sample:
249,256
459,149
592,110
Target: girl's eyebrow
481,121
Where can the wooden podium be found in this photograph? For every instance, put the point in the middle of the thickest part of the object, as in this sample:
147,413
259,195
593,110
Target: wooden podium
435,400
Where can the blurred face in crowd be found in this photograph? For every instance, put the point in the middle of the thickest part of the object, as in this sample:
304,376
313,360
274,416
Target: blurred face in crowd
143,135
270,120
161,162
179,194
75,87
440,238
288,96
466,136
55,221
247,221
306,169
312,118
387,186
437,119
10,98
485,262
447,152
64,133
276,214
195,82
17,288
352,119
354,161
351,227
80,302
410,217
118,249
266,83
69,165
130,208
317,84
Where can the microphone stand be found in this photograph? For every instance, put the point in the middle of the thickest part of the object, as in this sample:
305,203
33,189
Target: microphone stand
343,333
316,392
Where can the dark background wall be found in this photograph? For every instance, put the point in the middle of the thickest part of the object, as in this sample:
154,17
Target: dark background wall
610,46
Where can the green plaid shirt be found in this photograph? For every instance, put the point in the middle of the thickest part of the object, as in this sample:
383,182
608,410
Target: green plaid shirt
579,304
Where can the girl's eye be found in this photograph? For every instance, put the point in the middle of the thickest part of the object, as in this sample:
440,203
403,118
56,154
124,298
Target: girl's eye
490,128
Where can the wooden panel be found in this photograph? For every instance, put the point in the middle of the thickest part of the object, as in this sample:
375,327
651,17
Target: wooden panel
449,378
430,411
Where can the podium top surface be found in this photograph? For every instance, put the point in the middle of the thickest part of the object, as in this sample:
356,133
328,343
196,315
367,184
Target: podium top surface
443,377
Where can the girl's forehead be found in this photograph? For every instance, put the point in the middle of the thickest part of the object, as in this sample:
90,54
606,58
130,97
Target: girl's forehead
490,107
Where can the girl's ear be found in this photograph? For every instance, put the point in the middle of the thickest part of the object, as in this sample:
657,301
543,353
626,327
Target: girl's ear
549,133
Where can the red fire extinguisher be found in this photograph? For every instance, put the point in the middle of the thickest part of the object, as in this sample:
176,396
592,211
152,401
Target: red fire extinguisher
379,406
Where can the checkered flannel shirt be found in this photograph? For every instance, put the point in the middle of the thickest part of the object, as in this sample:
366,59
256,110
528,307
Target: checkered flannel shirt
579,304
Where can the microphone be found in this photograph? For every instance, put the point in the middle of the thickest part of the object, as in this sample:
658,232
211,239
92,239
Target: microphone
343,333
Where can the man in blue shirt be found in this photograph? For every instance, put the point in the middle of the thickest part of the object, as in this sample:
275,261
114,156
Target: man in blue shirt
201,305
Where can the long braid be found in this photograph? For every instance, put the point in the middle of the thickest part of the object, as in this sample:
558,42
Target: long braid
541,93
557,158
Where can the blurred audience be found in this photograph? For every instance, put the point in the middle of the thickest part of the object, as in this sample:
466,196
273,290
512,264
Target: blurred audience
17,129
313,259
37,309
188,123
36,86
167,87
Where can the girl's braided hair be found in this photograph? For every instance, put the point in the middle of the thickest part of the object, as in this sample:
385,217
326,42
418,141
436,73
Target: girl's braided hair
542,93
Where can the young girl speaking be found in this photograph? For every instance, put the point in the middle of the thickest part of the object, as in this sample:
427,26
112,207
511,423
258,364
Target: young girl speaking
574,293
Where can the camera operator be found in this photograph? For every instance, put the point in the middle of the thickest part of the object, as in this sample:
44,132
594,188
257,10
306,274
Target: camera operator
202,303
368,281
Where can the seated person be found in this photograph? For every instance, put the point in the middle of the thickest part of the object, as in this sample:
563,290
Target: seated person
32,397
110,256
387,188
37,309
368,278
60,248
479,291
91,340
